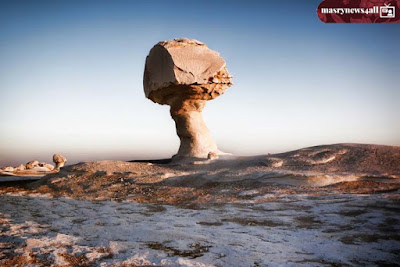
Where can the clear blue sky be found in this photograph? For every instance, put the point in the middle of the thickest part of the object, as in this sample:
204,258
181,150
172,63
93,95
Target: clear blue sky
71,78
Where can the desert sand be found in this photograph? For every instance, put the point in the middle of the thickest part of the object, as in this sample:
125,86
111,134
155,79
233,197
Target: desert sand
327,205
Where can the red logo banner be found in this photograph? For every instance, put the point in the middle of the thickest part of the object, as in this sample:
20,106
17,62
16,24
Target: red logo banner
359,11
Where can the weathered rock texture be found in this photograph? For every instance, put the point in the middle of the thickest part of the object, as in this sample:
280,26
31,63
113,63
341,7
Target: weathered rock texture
47,166
59,160
21,167
32,164
356,168
9,169
184,74
212,155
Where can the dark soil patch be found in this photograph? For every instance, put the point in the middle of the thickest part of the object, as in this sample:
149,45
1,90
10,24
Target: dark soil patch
352,213
368,238
195,251
210,223
253,222
364,187
322,262
307,222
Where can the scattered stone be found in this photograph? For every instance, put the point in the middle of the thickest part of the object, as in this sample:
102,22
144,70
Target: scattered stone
46,165
212,155
59,160
32,164
9,169
274,162
184,74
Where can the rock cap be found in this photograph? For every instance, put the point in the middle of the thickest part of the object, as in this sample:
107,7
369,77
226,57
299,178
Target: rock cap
184,67
59,158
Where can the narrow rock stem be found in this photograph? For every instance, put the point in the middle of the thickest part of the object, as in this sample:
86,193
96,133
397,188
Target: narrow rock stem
196,140
59,165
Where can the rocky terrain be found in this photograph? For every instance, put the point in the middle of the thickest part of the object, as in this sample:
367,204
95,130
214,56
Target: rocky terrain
32,170
344,167
334,205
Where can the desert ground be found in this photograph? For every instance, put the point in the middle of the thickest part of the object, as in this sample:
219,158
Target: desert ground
334,205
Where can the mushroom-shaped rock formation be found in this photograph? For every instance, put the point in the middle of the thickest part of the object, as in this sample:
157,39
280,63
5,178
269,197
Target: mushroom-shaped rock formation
59,160
184,74
32,164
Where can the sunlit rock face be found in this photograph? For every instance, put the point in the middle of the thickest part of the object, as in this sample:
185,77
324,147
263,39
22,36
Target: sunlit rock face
184,74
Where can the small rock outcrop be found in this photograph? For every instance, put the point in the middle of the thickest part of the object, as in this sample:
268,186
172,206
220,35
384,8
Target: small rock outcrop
9,169
59,160
32,164
21,167
34,167
185,74
47,166
212,155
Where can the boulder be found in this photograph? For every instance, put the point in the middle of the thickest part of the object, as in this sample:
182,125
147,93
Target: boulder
8,169
32,164
46,165
212,155
21,167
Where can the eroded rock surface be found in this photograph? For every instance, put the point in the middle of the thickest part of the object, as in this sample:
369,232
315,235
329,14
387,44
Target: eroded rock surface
286,229
47,166
9,169
340,158
21,167
184,62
